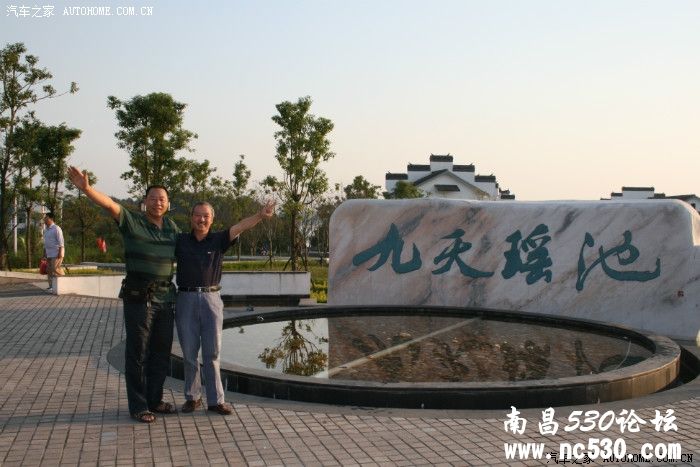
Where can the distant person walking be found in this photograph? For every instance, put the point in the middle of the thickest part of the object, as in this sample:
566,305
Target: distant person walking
54,248
147,292
200,311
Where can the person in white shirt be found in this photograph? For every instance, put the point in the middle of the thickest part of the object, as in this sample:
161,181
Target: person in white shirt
53,247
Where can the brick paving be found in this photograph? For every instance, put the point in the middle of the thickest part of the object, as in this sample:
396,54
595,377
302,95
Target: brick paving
62,403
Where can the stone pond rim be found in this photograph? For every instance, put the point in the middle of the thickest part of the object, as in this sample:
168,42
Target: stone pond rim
660,371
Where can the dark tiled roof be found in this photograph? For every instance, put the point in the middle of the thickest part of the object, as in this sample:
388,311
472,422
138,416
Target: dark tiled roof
391,176
682,197
429,176
659,195
447,188
438,158
463,168
507,196
615,195
637,188
418,168
485,178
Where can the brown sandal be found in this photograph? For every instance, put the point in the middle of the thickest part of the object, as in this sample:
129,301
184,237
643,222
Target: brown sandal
144,417
165,408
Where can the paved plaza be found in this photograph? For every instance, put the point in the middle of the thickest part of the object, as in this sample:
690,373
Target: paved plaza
63,403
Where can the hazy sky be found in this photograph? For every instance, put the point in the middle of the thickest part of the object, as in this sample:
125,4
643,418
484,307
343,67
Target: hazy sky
558,99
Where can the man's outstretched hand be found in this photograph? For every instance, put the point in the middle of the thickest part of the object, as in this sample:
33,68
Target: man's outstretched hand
78,178
268,210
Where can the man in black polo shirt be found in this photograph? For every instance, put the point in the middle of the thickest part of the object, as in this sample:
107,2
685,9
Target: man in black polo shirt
199,314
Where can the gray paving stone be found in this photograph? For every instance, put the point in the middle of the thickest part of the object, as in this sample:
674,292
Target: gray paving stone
62,403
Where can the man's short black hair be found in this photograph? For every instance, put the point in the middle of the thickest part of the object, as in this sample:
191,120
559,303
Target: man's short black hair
148,190
50,215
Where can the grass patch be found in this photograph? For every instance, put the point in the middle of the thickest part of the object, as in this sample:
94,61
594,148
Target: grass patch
77,271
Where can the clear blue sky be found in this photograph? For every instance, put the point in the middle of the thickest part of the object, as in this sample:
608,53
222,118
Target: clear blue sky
558,99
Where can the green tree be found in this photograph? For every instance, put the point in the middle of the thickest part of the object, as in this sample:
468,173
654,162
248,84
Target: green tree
53,148
239,188
25,137
360,188
81,214
405,190
241,176
151,131
200,182
24,83
324,210
302,145
272,235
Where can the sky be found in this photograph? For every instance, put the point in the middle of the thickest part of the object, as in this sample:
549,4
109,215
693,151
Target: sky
561,100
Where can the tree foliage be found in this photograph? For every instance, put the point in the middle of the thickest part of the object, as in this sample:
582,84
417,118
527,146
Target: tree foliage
241,176
24,143
302,145
151,131
53,146
361,188
405,190
81,215
24,83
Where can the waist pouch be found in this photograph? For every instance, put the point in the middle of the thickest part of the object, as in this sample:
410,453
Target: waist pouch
141,292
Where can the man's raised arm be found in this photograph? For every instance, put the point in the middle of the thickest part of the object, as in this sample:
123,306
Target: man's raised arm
265,212
81,182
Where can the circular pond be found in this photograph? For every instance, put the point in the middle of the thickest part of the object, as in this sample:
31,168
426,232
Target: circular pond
441,358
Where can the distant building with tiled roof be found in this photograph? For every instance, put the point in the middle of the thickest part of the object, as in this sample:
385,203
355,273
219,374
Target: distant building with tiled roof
442,178
648,192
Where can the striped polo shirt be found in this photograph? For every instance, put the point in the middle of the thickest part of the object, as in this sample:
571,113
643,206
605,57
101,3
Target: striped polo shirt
149,252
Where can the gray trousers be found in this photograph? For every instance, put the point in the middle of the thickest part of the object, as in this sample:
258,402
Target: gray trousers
199,317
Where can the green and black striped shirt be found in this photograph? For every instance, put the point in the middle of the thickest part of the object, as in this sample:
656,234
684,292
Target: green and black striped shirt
149,252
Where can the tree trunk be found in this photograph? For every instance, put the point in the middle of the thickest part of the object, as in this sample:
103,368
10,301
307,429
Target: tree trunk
82,245
293,254
4,211
28,235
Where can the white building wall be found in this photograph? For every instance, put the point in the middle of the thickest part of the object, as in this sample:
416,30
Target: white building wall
627,195
435,166
466,176
414,175
488,187
446,179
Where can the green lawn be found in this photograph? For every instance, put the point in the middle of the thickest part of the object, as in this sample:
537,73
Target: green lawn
319,273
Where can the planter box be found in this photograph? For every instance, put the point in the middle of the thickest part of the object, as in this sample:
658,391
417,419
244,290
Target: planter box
105,286
23,275
237,287
265,288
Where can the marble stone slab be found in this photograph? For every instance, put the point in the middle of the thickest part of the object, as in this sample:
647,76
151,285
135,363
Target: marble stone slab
635,263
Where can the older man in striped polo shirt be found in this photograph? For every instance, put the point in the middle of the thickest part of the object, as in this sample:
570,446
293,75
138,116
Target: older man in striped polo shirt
147,292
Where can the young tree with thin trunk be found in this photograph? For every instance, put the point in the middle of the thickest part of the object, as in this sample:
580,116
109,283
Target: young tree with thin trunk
24,142
23,84
239,188
151,131
361,188
54,146
302,145
82,215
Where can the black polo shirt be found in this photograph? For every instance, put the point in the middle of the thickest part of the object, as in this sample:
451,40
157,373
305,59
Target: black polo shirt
199,262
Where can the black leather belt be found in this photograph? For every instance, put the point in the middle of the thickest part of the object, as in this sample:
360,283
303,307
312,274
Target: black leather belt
213,288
